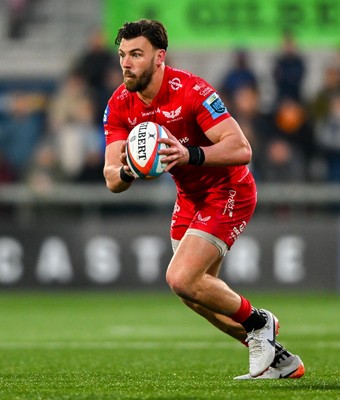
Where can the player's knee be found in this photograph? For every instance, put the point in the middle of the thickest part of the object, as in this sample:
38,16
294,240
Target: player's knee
174,281
181,285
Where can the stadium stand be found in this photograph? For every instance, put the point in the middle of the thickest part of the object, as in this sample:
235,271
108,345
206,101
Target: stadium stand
38,57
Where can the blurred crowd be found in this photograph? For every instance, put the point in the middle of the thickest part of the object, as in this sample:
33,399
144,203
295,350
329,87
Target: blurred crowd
297,139
58,137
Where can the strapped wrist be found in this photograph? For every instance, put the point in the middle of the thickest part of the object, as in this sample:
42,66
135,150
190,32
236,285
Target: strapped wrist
196,155
125,177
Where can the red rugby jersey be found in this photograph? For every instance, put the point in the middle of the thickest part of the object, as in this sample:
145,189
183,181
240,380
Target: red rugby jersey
188,106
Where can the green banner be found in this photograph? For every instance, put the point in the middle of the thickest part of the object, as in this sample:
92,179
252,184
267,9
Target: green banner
230,23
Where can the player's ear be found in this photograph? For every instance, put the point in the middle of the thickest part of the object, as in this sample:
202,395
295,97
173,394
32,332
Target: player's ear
160,56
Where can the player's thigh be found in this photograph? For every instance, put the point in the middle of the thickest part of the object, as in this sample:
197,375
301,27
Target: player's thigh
194,257
213,270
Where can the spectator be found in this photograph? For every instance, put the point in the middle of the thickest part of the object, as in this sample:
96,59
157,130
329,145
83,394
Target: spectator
64,103
43,172
94,64
289,71
283,163
290,145
6,174
254,123
113,78
335,60
240,75
21,130
320,104
17,18
77,139
328,138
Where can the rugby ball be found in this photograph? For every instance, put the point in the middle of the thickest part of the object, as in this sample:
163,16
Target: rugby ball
142,150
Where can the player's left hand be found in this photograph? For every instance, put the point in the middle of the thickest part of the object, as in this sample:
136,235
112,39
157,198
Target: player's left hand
122,157
175,153
123,160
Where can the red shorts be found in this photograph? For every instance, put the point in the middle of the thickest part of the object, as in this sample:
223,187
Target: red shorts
223,213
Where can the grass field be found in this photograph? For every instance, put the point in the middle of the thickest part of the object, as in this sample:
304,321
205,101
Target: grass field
149,346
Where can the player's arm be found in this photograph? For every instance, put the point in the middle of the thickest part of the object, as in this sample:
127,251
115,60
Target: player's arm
116,172
230,147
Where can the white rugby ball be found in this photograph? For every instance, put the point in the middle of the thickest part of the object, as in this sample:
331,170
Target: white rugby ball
142,150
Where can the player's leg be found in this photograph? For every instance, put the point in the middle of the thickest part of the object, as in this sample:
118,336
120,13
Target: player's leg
284,365
188,276
222,322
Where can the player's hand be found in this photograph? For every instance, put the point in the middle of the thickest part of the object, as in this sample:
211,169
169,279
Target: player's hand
175,153
123,160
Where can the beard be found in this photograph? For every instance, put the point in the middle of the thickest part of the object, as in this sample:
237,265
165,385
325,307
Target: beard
138,84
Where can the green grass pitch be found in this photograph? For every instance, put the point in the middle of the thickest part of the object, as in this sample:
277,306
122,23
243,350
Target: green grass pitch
142,345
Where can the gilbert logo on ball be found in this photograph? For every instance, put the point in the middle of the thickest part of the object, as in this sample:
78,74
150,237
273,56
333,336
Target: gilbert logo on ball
142,150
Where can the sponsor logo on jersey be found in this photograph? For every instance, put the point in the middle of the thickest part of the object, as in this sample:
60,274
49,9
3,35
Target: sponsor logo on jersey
172,114
175,84
203,89
237,230
132,122
215,105
177,208
146,114
106,114
124,94
203,220
230,204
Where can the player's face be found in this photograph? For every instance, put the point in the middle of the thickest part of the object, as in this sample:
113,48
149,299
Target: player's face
137,59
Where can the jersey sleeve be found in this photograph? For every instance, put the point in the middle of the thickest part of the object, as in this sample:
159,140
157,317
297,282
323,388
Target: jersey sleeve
114,127
208,106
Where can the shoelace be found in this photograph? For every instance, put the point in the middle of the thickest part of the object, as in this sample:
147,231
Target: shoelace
255,344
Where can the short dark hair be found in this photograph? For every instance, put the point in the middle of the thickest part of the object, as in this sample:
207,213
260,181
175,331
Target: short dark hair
152,30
